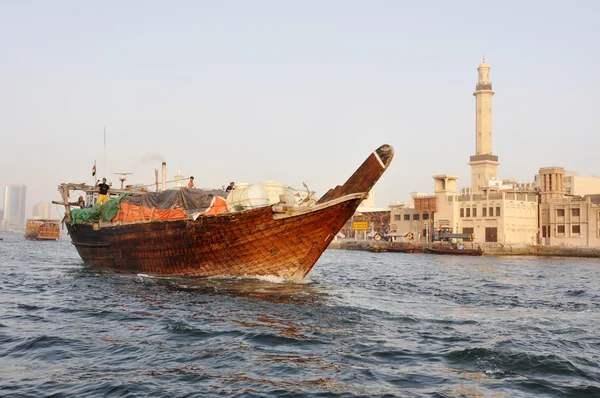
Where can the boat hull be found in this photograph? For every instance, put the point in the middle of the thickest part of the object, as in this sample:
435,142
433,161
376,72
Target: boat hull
410,250
454,252
36,238
245,243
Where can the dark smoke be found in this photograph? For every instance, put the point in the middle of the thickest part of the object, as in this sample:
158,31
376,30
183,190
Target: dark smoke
152,158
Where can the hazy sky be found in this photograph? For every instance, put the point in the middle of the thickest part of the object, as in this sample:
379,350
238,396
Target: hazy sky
292,91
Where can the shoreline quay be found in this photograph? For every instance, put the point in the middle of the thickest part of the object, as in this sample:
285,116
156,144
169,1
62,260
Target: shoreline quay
490,249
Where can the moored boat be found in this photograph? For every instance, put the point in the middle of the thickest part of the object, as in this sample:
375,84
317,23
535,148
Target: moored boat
405,249
195,234
377,248
42,229
454,251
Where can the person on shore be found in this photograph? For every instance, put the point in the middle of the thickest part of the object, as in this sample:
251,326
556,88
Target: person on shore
230,187
81,201
191,183
103,190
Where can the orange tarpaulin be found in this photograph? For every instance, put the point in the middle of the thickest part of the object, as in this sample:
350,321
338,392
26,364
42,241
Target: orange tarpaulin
131,213
218,206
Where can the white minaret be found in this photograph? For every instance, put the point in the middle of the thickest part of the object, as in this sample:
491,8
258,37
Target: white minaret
179,179
483,163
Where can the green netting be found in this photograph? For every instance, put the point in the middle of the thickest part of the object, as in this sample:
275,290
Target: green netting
97,213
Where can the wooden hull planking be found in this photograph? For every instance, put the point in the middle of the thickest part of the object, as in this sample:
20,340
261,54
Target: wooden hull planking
233,244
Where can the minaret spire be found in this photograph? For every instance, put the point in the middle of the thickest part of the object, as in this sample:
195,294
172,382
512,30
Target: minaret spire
483,163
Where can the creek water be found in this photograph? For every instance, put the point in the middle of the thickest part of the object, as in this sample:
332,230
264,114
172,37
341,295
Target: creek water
360,325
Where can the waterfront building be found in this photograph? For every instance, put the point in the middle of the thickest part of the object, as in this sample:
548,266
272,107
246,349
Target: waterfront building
577,185
567,218
492,215
41,210
373,220
494,210
369,201
14,205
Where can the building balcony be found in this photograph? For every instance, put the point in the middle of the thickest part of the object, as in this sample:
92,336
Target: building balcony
487,157
483,86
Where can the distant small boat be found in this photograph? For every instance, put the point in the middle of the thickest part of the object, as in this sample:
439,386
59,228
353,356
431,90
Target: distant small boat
43,229
453,251
381,248
405,249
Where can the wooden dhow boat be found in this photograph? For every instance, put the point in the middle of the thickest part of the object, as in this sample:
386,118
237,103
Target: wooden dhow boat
183,233
42,229
395,248
454,251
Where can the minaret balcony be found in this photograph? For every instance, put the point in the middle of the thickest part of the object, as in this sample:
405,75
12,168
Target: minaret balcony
483,86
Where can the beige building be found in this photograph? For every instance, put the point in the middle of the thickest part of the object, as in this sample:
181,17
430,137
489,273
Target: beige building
377,220
575,184
494,210
493,215
569,219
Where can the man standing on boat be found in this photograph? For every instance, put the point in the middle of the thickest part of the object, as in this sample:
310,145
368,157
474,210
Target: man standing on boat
102,191
230,187
191,183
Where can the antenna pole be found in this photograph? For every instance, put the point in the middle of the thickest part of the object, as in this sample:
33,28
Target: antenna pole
104,150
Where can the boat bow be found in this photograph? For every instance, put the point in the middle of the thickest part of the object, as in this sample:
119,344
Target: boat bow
365,177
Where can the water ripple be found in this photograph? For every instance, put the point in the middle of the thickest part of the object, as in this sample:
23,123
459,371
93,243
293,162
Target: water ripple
361,325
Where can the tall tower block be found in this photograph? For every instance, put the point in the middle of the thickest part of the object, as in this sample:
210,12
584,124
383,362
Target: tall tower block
483,163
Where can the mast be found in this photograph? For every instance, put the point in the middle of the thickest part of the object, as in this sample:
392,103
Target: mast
104,161
64,192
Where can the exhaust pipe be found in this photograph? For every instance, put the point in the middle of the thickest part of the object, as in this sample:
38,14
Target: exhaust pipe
164,175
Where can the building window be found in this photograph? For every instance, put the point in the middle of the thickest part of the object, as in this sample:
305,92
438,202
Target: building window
544,232
560,229
560,212
474,211
497,212
575,212
462,212
576,229
397,217
484,211
426,216
468,212
415,216
407,217
491,212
